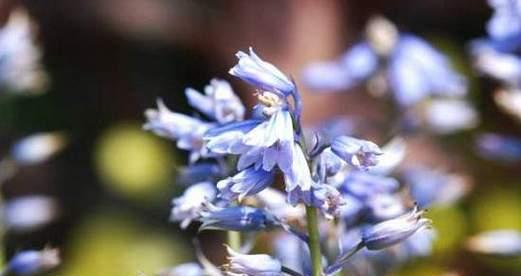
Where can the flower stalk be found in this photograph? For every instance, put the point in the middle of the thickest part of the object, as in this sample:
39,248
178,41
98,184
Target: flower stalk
314,240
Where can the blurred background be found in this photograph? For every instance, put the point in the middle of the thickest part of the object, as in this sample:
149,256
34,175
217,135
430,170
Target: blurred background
109,60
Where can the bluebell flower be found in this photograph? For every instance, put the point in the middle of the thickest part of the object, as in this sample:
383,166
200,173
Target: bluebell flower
227,139
186,269
503,242
414,70
393,231
261,74
506,20
325,198
296,174
219,102
327,164
434,187
186,130
251,265
32,262
245,183
239,218
275,137
187,207
359,153
499,147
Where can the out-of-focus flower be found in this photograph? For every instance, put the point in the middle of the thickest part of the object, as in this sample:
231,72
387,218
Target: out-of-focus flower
385,206
506,20
186,269
29,212
275,202
251,265
445,116
247,182
33,262
20,68
497,64
239,218
358,153
509,100
364,185
292,252
505,243
187,207
186,130
433,187
393,154
418,244
37,148
219,102
414,69
393,231
499,147
263,75
199,172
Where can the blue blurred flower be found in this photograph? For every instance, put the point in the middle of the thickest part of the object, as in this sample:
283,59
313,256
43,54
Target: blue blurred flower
364,185
219,102
506,20
20,68
247,182
251,265
499,147
187,207
238,218
261,74
433,187
491,59
393,231
32,262
414,69
276,203
445,116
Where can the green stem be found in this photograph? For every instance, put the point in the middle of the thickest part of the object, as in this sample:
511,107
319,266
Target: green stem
314,240
234,240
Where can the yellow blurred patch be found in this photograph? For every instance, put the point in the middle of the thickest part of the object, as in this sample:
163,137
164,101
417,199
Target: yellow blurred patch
133,162
116,245
496,209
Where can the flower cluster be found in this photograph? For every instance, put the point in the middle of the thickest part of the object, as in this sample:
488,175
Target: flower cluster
236,163
420,79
